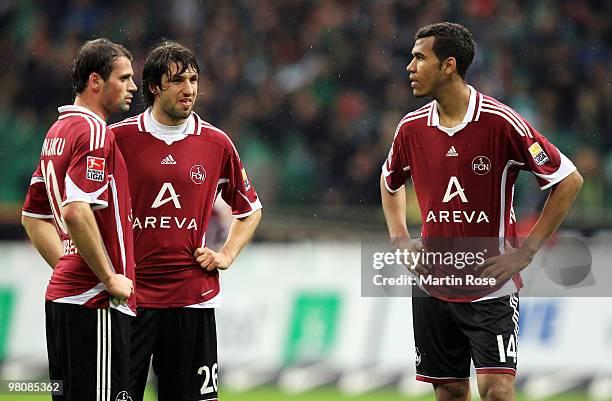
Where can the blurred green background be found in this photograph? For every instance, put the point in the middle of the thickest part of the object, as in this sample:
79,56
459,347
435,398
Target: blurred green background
271,394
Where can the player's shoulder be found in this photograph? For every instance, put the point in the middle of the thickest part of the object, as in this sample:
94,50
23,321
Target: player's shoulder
494,112
127,127
489,104
79,118
209,132
416,118
80,124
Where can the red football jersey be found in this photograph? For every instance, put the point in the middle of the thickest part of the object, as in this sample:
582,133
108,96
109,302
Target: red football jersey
174,184
464,176
80,161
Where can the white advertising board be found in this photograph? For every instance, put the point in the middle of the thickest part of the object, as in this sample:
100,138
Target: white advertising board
297,303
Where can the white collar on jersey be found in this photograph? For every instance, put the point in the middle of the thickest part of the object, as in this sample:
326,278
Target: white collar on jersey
72,108
468,118
166,133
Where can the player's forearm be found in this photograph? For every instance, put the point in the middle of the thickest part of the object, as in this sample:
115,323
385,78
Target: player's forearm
394,208
555,209
44,237
240,233
85,234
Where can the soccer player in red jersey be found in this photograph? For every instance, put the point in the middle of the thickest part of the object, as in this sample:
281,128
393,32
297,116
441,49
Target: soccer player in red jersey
76,215
178,165
463,152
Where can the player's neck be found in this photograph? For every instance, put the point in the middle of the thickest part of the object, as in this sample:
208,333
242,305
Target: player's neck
84,101
452,103
162,118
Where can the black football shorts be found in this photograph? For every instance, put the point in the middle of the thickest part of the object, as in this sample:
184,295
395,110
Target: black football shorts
89,350
183,345
448,335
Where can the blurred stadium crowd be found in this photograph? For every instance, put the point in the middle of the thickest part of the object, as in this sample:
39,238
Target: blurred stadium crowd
311,91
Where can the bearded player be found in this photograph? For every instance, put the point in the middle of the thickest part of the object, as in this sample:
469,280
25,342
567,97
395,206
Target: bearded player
178,164
463,152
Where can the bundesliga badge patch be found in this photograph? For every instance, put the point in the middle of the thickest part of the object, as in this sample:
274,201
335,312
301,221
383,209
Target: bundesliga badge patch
247,184
538,154
95,168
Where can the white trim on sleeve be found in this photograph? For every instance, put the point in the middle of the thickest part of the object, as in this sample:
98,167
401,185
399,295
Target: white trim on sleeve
565,169
389,189
76,194
254,207
387,173
36,180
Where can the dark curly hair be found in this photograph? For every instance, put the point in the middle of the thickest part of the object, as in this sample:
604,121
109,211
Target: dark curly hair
95,56
451,40
158,63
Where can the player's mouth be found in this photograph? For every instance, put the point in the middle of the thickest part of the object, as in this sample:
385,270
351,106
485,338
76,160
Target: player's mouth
128,100
186,102
413,83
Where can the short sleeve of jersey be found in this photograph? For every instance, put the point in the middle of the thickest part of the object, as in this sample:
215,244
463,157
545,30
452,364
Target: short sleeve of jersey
88,172
238,193
539,156
37,202
396,169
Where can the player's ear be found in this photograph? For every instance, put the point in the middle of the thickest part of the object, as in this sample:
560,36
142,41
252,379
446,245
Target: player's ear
449,65
95,81
154,89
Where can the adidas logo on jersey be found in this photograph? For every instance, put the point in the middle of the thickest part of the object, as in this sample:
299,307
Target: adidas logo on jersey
168,160
452,152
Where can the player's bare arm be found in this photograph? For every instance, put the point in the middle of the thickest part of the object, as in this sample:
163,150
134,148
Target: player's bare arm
85,234
240,233
44,237
394,208
555,209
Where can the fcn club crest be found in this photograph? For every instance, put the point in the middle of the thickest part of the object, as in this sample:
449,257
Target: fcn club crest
481,165
197,174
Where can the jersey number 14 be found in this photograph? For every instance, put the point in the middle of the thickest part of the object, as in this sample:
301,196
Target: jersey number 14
509,351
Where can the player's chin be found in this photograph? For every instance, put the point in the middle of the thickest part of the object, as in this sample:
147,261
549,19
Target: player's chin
418,93
121,107
184,112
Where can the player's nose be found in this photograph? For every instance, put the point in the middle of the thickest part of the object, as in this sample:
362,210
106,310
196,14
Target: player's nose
411,66
188,89
132,86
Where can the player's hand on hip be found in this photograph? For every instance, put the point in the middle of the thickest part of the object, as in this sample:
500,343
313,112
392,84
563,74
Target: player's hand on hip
504,267
412,248
210,260
120,287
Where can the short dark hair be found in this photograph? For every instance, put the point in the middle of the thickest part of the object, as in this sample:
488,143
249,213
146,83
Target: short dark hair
158,63
451,40
95,56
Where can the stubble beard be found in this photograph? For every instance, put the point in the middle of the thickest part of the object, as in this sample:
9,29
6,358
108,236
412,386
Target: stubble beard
123,107
177,114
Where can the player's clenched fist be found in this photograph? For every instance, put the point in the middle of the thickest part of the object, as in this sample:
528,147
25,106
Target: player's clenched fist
210,260
119,286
